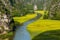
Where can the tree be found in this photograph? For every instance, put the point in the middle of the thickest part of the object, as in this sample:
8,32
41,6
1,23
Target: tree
54,9
6,20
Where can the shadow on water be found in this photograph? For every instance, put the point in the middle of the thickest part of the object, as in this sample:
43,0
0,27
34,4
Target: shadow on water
48,35
15,25
14,29
21,32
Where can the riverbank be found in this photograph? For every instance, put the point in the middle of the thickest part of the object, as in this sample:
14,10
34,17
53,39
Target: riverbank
24,18
21,32
41,26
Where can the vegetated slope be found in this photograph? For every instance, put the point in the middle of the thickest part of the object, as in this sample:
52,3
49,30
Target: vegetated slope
48,35
42,25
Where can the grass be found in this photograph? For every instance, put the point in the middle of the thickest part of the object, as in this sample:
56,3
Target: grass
24,18
41,12
40,25
48,35
8,35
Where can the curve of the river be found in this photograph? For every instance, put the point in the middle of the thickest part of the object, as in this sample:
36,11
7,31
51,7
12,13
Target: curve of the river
22,33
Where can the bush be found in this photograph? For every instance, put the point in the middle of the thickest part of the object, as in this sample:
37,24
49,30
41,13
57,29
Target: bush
45,15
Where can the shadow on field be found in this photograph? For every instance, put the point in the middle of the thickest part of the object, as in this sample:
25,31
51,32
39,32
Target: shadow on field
48,35
17,24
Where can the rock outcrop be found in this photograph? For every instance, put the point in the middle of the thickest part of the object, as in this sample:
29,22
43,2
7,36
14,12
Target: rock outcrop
6,19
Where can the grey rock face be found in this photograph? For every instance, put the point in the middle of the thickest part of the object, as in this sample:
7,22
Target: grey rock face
4,23
6,19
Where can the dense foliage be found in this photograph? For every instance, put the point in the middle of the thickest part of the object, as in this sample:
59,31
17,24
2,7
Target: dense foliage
53,7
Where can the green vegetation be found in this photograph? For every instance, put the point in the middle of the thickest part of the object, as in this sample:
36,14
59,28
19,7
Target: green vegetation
39,26
24,18
23,10
43,25
8,35
48,35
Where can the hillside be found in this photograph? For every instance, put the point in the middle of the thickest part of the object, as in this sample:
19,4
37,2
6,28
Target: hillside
41,26
40,19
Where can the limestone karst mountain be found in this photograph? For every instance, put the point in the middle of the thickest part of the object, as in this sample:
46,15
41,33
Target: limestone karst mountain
6,20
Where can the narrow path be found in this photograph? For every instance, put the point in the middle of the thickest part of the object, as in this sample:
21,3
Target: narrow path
22,33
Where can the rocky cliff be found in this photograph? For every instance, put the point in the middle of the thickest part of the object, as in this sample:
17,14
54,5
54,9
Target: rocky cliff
6,20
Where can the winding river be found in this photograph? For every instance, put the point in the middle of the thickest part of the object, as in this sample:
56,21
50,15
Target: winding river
22,33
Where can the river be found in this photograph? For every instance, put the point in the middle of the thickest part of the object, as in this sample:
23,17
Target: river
22,33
